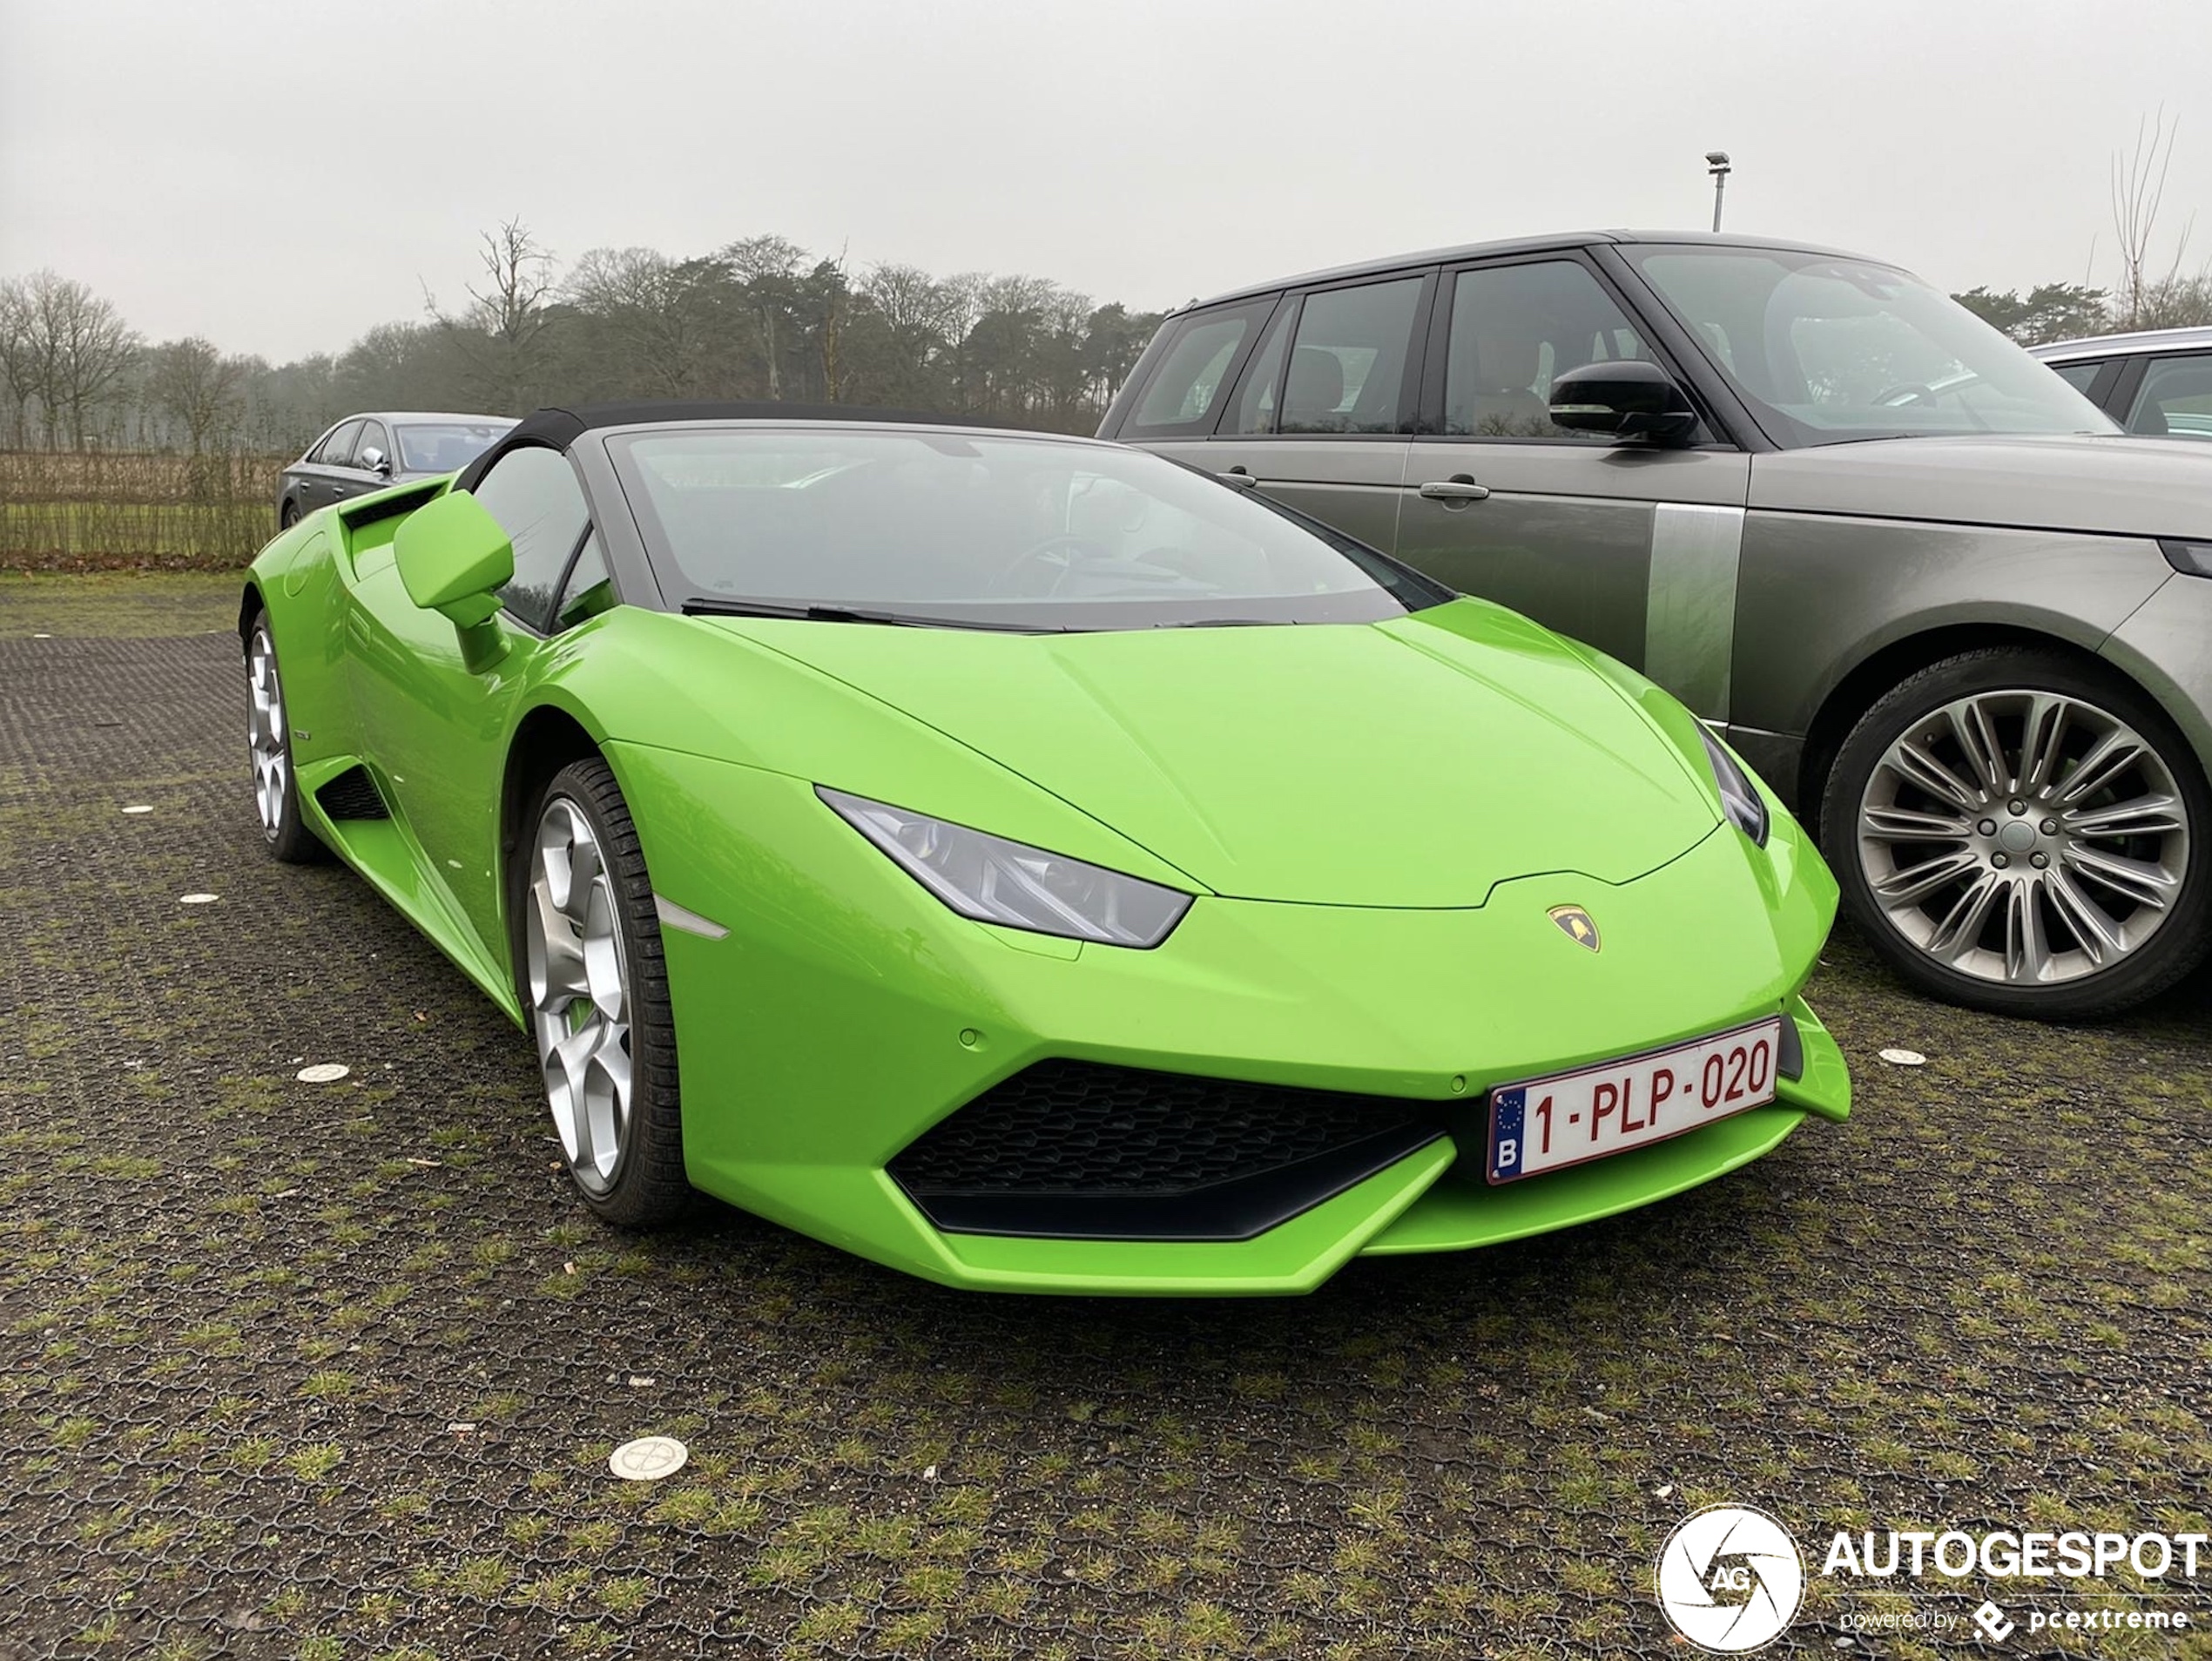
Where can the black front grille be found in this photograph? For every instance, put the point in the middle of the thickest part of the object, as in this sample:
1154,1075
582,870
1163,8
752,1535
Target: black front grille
1075,1150
352,794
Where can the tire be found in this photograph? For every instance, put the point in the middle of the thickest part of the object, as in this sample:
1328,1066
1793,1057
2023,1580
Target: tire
288,516
2025,832
276,788
594,989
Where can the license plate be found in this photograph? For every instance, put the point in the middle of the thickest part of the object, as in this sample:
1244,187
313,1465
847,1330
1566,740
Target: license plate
1611,1106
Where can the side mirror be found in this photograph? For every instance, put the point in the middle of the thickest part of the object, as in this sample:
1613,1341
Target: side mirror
1634,399
375,461
453,557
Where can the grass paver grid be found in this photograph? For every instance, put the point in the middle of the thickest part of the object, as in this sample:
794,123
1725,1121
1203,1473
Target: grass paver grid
333,1371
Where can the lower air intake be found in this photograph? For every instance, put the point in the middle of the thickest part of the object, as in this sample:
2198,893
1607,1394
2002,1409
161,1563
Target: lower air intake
1072,1150
352,794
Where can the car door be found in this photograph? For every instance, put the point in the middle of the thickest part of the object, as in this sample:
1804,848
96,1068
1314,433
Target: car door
1632,548
437,729
1321,411
1324,397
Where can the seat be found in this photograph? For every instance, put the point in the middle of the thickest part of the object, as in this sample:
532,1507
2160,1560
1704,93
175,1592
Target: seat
1314,390
1501,401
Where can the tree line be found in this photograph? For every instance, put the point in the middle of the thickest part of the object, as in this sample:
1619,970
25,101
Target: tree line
760,318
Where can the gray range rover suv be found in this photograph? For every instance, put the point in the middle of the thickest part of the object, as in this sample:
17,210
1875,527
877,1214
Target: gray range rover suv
1952,613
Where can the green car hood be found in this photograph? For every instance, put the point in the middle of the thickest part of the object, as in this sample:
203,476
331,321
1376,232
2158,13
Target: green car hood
1413,763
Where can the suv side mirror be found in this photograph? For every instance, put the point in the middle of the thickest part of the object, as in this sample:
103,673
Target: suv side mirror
375,461
1632,399
454,557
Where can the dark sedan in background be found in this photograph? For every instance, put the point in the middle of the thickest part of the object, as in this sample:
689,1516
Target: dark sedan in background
2157,384
368,451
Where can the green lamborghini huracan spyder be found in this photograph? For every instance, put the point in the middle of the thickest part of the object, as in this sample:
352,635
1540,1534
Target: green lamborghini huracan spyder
1028,861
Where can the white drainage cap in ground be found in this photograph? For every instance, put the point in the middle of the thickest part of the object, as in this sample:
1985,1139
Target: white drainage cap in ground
323,1072
1905,1058
648,1459
198,899
137,808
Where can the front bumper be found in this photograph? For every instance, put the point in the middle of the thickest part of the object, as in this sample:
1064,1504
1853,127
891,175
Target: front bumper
846,1012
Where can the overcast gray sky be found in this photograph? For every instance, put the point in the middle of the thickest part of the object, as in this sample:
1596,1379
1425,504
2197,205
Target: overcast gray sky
278,175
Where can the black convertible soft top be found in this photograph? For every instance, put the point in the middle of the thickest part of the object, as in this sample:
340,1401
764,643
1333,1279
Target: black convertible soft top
556,428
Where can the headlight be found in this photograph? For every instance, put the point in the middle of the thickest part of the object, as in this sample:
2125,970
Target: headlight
1740,798
992,879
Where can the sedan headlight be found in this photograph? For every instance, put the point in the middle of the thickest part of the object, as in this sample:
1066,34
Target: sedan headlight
1740,798
993,880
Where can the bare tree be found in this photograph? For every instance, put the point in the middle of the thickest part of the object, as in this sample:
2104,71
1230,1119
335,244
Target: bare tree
2138,191
65,349
21,372
502,333
651,305
197,387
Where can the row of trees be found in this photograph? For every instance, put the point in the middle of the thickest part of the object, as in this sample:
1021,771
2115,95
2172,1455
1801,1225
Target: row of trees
761,318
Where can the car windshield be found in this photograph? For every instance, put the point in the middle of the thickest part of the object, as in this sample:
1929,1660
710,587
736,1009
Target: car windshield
928,525
1826,350
446,446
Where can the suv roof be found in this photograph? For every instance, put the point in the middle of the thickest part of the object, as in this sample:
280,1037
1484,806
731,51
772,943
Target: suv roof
2112,345
1521,245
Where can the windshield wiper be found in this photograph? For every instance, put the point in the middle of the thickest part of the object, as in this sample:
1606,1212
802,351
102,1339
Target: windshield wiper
703,605
1227,622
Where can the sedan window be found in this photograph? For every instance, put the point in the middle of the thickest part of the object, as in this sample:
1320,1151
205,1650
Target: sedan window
2175,400
337,450
446,446
2080,376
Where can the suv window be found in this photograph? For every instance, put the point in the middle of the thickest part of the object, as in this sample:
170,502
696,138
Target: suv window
337,450
534,495
1348,361
2176,399
1180,397
1262,390
1516,329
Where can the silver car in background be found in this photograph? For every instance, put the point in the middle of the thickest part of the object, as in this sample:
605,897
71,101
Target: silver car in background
1954,615
368,451
2157,384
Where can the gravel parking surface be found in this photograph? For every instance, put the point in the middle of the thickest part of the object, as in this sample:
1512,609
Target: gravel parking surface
333,1370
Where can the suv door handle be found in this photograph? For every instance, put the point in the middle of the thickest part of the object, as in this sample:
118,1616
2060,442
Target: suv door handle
1238,478
1458,488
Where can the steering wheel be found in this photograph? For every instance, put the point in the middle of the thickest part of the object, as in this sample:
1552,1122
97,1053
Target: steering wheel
1907,392
1072,551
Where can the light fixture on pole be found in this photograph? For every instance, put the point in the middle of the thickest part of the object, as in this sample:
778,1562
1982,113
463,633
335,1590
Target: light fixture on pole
1717,165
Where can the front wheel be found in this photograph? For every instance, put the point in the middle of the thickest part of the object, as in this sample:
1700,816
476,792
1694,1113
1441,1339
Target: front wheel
2018,831
276,791
594,985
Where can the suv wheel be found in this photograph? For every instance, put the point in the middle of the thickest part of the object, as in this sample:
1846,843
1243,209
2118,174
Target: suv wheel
2018,831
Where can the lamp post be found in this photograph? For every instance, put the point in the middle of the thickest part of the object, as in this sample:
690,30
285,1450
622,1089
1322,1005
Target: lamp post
1717,165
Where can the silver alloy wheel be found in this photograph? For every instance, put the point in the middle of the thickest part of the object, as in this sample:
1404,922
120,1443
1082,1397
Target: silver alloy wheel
272,763
579,984
2023,837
